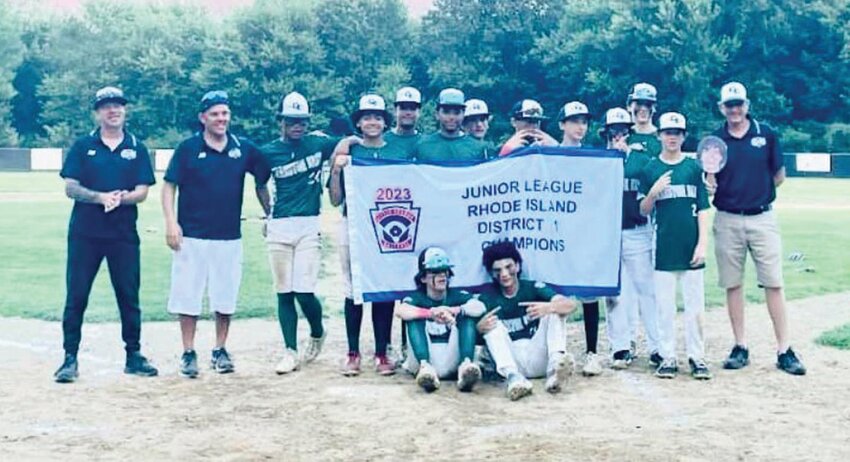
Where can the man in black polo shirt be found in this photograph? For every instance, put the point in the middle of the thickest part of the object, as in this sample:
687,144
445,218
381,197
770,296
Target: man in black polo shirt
106,173
743,195
209,171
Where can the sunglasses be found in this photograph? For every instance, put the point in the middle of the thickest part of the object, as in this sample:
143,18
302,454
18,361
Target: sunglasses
732,104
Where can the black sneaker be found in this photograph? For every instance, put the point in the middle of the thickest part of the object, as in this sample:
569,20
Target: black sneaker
789,363
622,359
189,364
738,358
667,370
67,372
655,359
221,361
138,365
699,370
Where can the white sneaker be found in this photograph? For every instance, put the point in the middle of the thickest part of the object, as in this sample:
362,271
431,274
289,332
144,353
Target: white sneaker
427,377
560,372
288,363
592,364
313,348
468,374
518,387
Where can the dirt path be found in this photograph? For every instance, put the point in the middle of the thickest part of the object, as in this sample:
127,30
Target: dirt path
755,414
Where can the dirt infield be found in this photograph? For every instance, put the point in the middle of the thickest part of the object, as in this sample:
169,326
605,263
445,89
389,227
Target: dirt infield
316,414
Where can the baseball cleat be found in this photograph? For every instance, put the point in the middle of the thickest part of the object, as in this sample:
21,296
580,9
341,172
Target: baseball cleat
314,347
699,370
560,373
289,362
789,363
68,371
592,364
468,374
518,387
738,358
189,364
384,366
221,361
622,360
351,367
667,370
427,377
655,359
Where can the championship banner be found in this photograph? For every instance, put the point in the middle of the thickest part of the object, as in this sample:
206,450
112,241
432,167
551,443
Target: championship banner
562,207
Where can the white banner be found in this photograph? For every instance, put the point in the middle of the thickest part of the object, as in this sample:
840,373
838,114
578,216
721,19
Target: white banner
562,207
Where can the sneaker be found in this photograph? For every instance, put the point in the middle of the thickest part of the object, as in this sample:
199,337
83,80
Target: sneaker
699,370
622,359
139,365
518,386
738,358
351,367
655,359
289,362
667,370
314,347
384,366
789,363
221,361
67,372
427,378
592,364
468,374
189,364
560,372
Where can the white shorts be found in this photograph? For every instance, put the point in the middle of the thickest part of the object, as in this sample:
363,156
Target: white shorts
200,265
294,245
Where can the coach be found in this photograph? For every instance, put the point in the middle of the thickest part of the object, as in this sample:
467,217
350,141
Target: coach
106,173
745,191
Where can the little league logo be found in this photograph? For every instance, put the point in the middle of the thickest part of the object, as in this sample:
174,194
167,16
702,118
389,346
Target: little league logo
395,225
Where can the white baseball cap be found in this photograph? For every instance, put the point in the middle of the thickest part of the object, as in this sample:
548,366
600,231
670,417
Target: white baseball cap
733,91
643,92
294,105
572,109
371,103
618,116
527,109
672,121
408,95
451,97
476,107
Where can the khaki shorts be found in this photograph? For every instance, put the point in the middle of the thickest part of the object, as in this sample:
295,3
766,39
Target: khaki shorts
734,235
294,245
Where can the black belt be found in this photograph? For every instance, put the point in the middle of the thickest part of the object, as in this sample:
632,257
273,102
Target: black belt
748,212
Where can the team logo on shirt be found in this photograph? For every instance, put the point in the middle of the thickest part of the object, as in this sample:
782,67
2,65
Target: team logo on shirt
758,141
128,154
395,225
91,152
234,153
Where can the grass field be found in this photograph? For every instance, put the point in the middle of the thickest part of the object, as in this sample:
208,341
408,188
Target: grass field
814,216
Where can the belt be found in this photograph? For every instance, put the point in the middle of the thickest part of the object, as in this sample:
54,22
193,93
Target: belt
748,212
641,225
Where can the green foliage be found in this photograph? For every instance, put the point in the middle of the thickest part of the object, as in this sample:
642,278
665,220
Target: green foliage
11,49
838,337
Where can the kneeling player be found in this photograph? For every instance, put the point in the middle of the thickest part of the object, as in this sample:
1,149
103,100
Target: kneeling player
440,325
524,328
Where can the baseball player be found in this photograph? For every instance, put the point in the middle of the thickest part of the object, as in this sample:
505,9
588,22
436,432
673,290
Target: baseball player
527,118
292,231
450,142
641,103
680,203
106,174
524,327
476,119
637,292
371,120
573,119
408,102
441,325
209,171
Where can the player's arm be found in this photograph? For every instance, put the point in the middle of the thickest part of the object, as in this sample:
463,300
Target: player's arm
74,190
779,177
136,196
173,231
558,304
408,312
648,202
344,145
335,182
702,239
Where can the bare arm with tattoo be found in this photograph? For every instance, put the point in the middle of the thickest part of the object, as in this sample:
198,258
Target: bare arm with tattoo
78,192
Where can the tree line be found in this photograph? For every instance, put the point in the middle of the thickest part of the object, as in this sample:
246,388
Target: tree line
793,56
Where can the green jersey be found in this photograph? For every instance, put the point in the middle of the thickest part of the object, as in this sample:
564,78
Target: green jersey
437,148
635,163
391,151
439,333
297,172
514,316
647,143
406,142
676,211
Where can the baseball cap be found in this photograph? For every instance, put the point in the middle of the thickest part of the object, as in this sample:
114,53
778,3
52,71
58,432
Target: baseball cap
733,91
572,109
408,95
451,97
434,259
643,92
476,107
618,116
672,121
371,103
108,95
527,109
294,105
213,98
